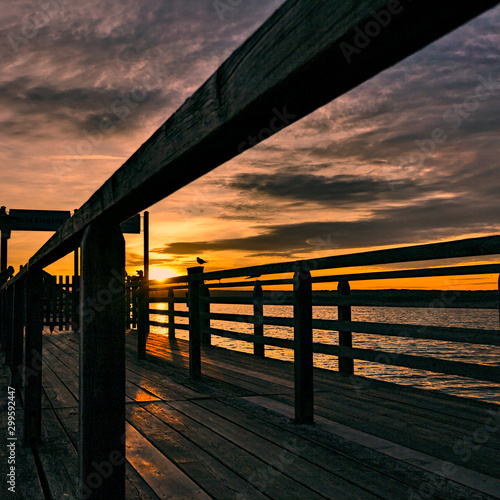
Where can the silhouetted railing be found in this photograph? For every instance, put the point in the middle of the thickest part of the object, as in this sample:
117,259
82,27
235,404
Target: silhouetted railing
201,293
246,94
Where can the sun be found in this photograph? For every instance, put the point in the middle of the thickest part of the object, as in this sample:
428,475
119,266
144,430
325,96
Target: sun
161,273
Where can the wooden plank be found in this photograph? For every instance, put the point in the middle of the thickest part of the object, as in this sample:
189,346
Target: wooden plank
233,378
169,432
412,273
489,245
58,458
258,473
162,476
265,83
288,464
245,337
338,464
487,373
412,467
449,299
56,391
383,298
66,369
170,314
136,487
481,459
451,334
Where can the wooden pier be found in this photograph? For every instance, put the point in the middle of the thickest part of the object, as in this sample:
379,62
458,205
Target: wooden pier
232,434
197,422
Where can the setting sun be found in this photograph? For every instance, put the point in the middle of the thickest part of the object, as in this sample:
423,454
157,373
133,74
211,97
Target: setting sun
161,273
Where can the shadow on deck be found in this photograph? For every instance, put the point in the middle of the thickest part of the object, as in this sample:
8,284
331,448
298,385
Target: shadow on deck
231,435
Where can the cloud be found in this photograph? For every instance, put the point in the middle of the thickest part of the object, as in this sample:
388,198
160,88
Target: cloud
334,191
339,178
432,219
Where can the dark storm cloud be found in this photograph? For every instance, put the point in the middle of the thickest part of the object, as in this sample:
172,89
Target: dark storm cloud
334,191
71,68
82,108
432,219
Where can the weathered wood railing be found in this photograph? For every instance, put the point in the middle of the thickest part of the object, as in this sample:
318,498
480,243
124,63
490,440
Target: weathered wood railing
302,298
238,105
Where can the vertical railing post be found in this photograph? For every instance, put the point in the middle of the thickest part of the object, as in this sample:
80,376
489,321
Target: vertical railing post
194,324
206,337
302,313
33,358
75,300
346,365
258,315
67,303
142,319
101,437
146,245
133,294
171,317
60,304
16,364
2,319
9,314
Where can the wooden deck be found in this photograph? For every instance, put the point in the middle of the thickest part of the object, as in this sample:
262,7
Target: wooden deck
231,434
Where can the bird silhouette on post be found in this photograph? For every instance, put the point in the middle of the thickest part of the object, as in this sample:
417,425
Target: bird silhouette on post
200,261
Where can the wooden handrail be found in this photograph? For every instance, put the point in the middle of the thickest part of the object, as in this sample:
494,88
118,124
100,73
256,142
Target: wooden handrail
468,247
252,91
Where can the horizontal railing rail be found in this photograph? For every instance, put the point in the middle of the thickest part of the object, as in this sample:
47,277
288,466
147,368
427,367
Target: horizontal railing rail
171,292
306,70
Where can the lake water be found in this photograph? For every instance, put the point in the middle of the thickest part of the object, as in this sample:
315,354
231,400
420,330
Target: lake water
479,319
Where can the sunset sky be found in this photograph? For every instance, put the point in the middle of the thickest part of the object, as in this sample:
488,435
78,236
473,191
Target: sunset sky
411,156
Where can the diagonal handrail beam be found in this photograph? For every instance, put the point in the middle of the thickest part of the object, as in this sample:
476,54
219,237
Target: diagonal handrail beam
296,62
